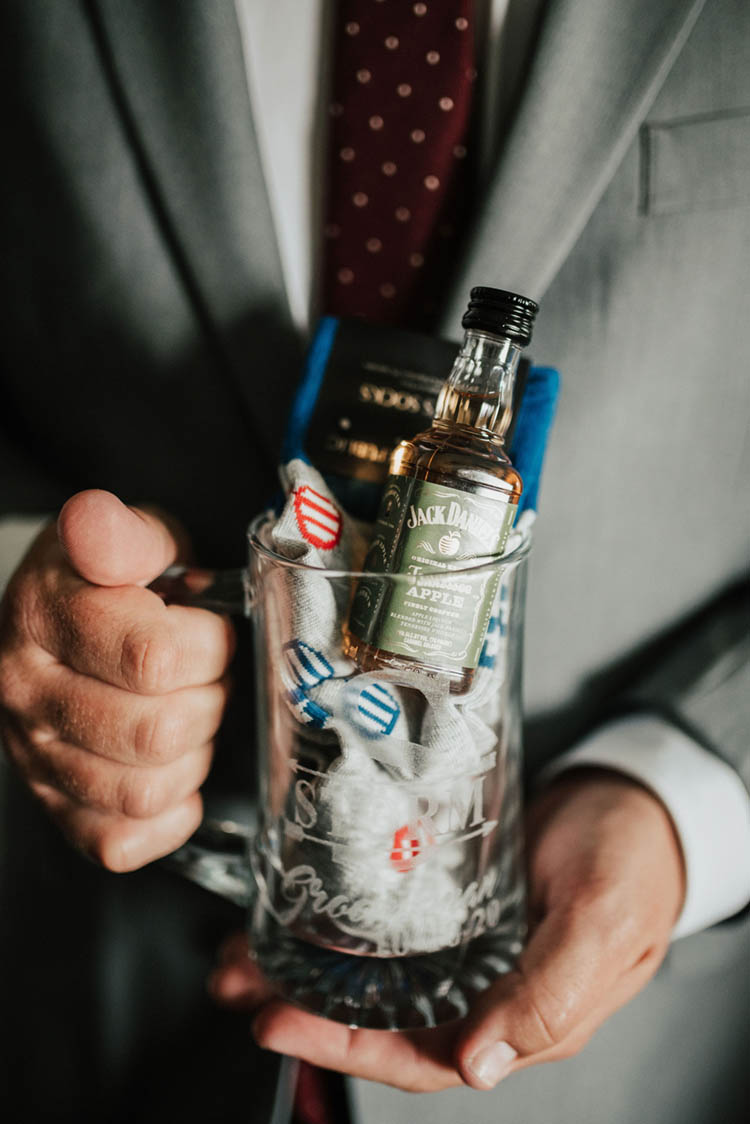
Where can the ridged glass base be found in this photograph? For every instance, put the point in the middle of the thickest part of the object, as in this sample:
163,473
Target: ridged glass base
385,994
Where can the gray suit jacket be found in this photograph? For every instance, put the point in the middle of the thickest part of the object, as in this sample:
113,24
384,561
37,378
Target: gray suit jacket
145,312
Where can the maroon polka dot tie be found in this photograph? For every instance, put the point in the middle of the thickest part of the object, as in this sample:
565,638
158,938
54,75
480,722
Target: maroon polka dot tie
398,167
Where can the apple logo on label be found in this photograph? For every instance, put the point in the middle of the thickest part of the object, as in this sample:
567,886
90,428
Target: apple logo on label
449,544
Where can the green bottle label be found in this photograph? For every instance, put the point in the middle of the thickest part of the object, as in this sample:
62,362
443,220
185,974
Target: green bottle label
425,530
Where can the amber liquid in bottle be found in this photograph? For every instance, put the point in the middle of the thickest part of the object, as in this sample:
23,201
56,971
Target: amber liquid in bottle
464,450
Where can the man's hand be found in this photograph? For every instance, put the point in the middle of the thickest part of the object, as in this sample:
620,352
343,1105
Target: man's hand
110,699
606,886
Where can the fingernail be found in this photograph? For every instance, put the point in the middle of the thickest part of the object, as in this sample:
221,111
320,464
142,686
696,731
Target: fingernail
492,1063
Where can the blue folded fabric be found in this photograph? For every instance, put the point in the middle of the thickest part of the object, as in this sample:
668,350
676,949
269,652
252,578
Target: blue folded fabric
535,416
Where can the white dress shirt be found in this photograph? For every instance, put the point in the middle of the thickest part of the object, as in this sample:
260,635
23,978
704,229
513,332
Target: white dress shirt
285,48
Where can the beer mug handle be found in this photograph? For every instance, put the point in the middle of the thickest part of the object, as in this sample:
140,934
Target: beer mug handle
222,591
216,855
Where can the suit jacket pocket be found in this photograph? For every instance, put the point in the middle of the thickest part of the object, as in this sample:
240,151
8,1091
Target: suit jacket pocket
696,163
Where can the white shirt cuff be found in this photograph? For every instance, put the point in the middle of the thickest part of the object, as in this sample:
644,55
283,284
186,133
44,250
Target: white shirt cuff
708,803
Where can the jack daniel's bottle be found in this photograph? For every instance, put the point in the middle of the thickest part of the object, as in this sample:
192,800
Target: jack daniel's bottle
448,504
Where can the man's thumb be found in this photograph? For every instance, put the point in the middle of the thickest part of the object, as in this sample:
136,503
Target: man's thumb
108,543
561,976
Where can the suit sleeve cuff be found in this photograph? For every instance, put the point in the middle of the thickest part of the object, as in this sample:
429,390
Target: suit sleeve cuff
708,803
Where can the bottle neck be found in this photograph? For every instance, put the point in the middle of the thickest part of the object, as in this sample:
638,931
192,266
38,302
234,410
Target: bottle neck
479,391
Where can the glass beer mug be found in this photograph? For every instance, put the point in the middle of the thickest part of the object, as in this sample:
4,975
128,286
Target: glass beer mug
383,879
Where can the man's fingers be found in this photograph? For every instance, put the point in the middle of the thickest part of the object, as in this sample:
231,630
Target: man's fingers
123,634
110,544
425,1060
416,1061
128,637
117,842
572,959
232,987
128,790
238,981
83,648
119,725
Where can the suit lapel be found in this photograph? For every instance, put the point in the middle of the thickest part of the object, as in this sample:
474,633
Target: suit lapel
597,68
178,73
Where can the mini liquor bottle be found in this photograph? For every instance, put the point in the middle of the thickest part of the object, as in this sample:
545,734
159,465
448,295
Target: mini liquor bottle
447,507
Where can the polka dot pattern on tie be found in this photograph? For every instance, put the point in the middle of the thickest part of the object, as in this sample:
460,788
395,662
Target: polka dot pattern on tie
398,173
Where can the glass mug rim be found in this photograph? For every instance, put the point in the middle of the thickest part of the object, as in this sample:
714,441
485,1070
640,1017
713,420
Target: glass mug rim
505,561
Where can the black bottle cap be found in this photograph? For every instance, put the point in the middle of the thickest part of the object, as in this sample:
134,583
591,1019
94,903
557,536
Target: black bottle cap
501,313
